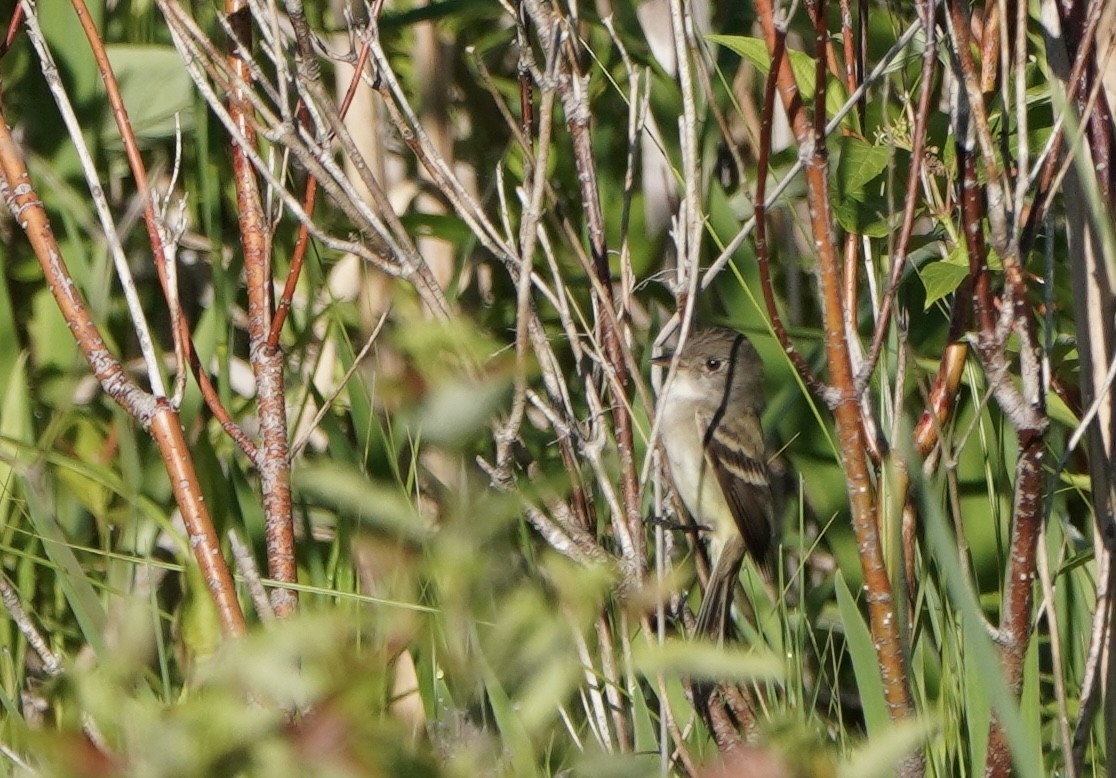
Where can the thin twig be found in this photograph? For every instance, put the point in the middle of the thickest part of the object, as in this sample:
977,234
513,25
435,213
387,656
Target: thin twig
246,564
927,9
52,664
327,404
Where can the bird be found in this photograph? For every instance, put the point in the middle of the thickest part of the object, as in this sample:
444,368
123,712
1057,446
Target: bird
714,445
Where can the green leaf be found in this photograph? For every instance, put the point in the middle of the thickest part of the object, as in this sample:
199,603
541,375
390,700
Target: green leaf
755,51
351,492
882,754
978,708
155,86
453,413
52,343
199,625
941,278
451,229
91,490
71,576
1031,699
644,725
11,353
1058,411
984,688
866,665
858,209
861,218
516,739
15,425
858,162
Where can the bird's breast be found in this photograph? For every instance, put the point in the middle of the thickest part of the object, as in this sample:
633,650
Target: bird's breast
693,478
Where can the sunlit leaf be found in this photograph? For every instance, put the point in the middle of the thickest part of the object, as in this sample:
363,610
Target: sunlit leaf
155,87
941,278
755,51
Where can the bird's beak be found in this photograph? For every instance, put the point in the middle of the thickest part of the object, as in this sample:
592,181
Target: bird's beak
663,360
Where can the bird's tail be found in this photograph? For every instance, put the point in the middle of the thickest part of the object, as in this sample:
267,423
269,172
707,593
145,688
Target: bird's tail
713,618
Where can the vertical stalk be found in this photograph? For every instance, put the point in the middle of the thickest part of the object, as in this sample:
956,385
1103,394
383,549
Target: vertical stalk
273,460
844,401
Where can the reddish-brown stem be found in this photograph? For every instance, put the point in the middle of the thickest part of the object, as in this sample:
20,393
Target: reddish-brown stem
918,154
828,59
881,605
298,256
154,414
13,29
273,463
862,53
763,261
179,328
309,199
848,41
218,409
875,442
1078,87
166,428
1016,620
1024,409
972,213
948,381
821,47
989,42
29,213
184,346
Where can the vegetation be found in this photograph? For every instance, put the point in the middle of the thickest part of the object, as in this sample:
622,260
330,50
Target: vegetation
327,424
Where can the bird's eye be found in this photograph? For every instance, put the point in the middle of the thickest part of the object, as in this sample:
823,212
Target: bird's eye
713,364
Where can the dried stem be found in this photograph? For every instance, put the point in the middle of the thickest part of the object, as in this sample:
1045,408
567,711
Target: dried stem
52,664
812,382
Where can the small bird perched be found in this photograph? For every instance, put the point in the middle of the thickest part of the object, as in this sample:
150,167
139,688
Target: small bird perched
714,443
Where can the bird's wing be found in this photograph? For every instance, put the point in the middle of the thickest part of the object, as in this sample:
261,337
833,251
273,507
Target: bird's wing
736,456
